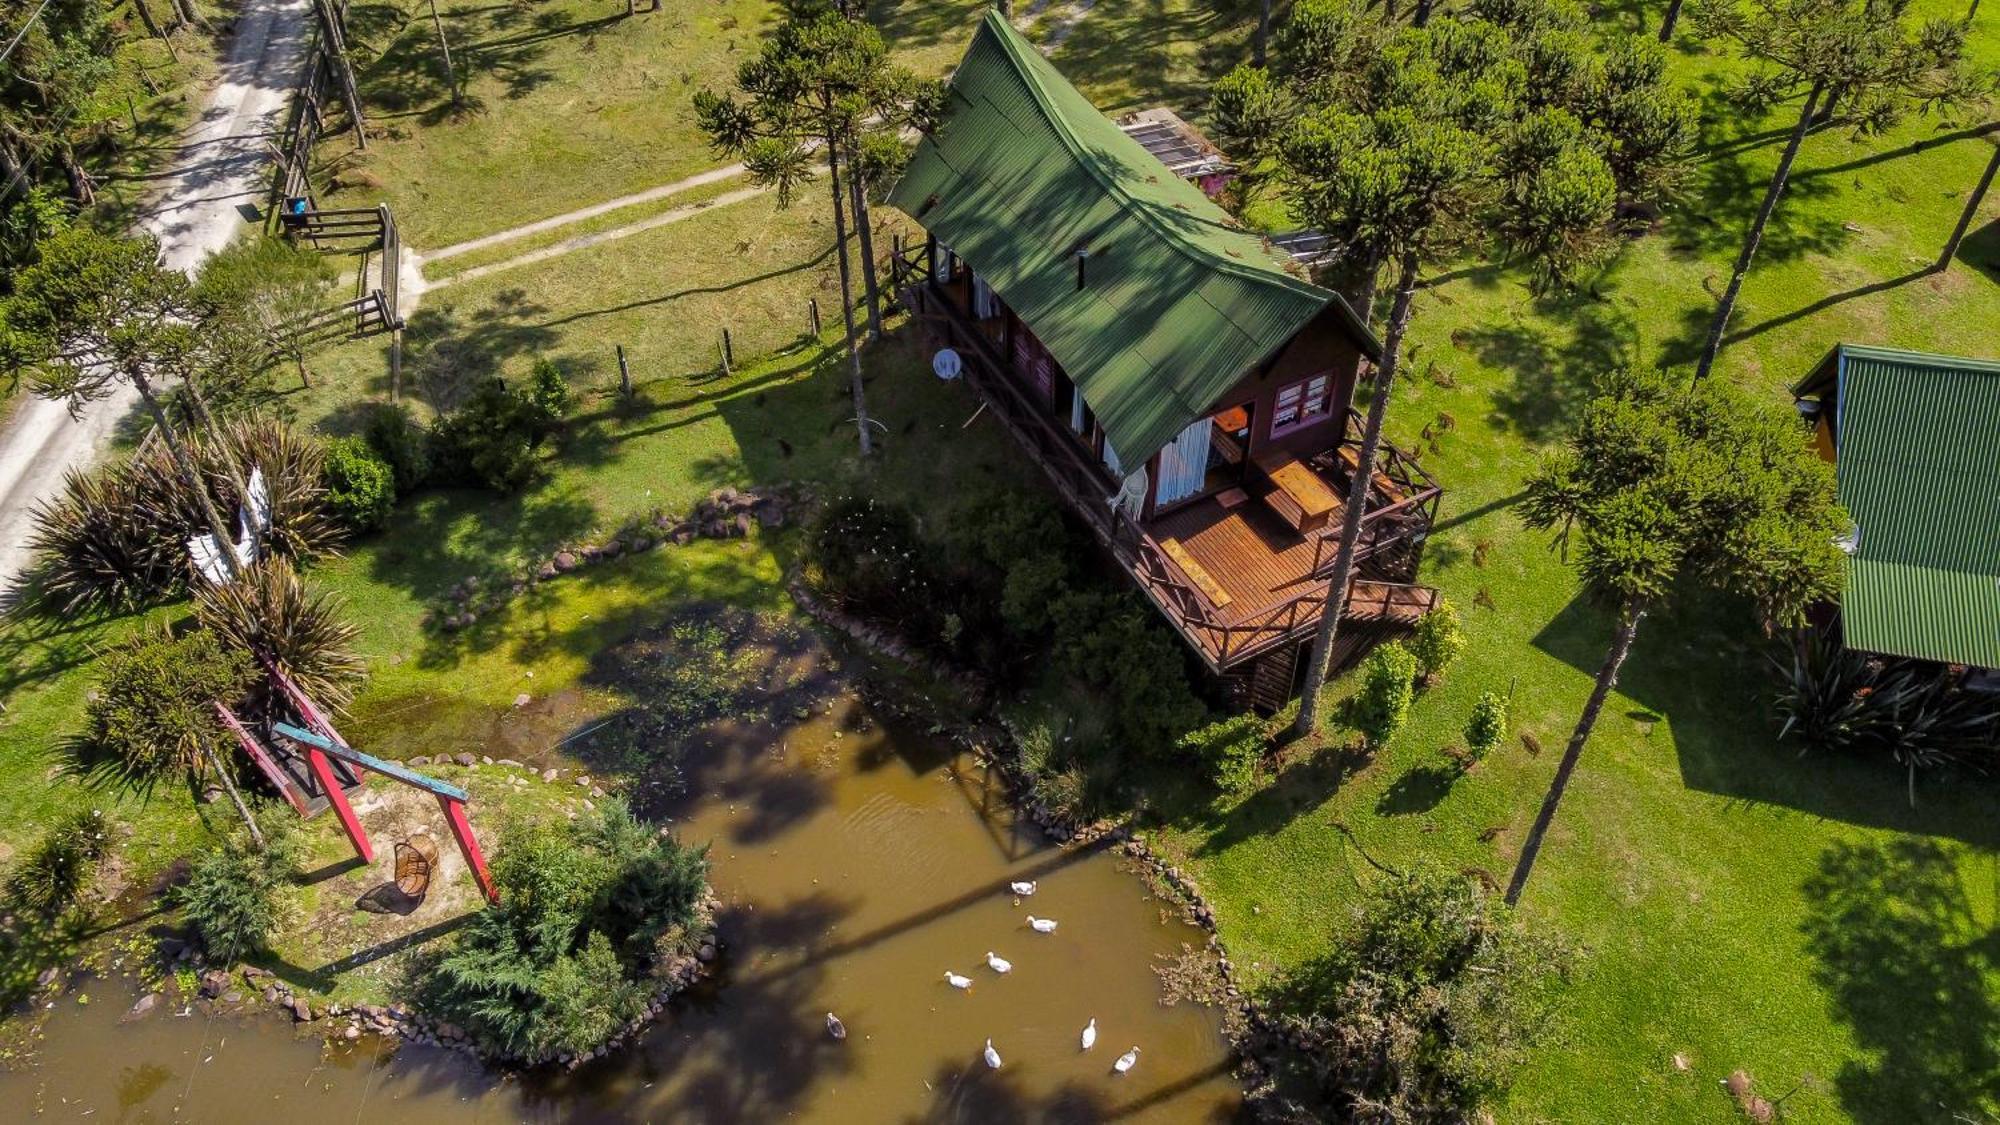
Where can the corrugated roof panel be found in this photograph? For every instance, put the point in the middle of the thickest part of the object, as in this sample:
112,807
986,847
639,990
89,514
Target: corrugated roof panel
1919,470
1178,302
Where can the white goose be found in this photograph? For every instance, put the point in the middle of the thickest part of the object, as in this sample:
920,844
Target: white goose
998,963
834,1027
1042,925
963,984
1126,1061
992,1056
1022,889
1090,1034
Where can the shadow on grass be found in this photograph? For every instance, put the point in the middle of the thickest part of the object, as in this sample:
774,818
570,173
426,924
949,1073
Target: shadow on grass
1700,667
1418,790
1553,359
1900,947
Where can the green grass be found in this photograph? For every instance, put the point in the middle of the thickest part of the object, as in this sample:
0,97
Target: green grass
1736,904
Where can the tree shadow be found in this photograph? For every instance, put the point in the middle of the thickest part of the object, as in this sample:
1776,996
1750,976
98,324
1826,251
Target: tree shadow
1909,965
1298,789
1418,790
1553,359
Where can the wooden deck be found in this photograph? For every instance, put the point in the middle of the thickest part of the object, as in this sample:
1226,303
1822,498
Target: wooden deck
1251,553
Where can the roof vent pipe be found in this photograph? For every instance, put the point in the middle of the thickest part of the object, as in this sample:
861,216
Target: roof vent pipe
1082,256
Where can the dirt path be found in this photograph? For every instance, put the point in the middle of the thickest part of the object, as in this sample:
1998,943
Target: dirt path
218,172
569,245
713,175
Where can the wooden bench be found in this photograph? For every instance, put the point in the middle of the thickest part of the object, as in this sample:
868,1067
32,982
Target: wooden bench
1199,575
1350,459
1298,494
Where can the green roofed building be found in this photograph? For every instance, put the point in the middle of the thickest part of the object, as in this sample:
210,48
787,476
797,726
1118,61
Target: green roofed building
1915,440
1183,383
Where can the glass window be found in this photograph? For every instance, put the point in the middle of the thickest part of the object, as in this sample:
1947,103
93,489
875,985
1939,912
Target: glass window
1302,403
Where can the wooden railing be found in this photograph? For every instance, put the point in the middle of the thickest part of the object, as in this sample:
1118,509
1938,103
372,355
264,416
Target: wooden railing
1088,485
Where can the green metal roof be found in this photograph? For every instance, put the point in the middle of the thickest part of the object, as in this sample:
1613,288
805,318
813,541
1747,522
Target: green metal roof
1177,303
1919,470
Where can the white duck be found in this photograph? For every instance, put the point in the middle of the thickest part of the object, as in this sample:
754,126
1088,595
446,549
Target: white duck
992,1056
1126,1061
1042,925
834,1027
1090,1034
1022,889
998,963
963,984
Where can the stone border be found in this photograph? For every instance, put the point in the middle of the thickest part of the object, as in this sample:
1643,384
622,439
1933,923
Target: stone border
1253,1033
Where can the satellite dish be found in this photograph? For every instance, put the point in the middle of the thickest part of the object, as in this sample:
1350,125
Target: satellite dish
947,364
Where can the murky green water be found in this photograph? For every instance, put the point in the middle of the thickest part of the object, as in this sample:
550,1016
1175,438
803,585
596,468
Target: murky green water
856,867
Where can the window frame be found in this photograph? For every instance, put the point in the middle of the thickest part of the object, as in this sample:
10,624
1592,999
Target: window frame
1303,418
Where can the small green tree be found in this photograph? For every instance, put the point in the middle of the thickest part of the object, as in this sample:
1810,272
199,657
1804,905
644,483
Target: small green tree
1427,1005
1231,752
271,614
153,710
1487,726
1438,640
61,865
257,293
233,898
1660,488
360,486
1855,62
1388,685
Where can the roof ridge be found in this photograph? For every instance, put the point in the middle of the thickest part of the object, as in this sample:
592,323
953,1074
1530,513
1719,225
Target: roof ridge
1014,44
1967,364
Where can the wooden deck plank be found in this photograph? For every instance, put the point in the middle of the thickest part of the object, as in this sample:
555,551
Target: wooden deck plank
1197,573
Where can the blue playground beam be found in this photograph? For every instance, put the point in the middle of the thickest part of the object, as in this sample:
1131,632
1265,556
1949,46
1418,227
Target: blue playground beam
396,770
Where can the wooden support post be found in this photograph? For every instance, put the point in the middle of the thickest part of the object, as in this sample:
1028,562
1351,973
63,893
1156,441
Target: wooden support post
725,353
334,46
468,845
812,315
624,374
322,769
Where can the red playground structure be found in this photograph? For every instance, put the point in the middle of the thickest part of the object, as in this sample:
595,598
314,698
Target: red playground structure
332,764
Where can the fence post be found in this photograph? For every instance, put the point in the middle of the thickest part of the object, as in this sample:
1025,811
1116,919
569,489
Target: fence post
728,353
624,374
812,315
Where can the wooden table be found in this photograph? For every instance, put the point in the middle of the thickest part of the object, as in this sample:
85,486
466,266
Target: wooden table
1350,457
1299,496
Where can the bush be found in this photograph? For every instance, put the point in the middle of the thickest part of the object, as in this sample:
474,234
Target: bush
547,400
1428,1005
152,713
360,486
232,895
868,556
1387,687
401,443
587,913
1116,643
1230,751
1487,726
1438,641
491,440
61,865
271,612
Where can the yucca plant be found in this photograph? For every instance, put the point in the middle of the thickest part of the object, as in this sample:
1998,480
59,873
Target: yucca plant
270,614
96,547
62,864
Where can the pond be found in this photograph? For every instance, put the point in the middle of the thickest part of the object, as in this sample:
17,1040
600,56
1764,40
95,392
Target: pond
857,863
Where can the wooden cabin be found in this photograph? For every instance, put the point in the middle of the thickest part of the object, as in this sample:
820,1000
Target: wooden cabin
1913,440
1186,390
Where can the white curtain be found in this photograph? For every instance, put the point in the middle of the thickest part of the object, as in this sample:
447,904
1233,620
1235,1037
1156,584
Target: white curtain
1076,410
984,303
1184,463
1111,457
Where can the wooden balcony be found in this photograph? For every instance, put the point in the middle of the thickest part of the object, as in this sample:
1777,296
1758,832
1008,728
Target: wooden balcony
1235,579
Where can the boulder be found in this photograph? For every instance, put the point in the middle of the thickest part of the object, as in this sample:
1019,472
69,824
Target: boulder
565,561
142,1006
523,699
550,774
547,570
466,760
421,760
301,1011
214,983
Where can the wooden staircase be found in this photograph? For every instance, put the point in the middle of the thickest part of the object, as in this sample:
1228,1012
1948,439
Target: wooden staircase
1271,678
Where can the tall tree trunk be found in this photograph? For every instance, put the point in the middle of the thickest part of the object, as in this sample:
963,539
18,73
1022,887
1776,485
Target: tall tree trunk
444,46
857,189
1362,294
1422,14
221,768
1717,326
1263,33
12,171
1307,722
305,373
847,300
153,27
335,44
82,188
1966,216
185,8
1667,22
190,475
1629,617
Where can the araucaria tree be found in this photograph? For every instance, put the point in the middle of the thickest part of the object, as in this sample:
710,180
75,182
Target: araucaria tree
820,89
95,311
1665,489
1503,129
1858,63
257,294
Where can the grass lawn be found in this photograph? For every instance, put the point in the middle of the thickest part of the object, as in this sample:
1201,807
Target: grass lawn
1737,905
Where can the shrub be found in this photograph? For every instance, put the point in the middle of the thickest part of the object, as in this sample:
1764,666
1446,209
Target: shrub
401,443
868,556
1386,691
547,400
360,486
1115,643
1487,726
1438,640
1428,1005
586,914
270,612
62,863
153,711
1231,752
231,898
491,439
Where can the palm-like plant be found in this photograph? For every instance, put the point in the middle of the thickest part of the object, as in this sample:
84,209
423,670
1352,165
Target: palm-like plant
96,547
270,614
